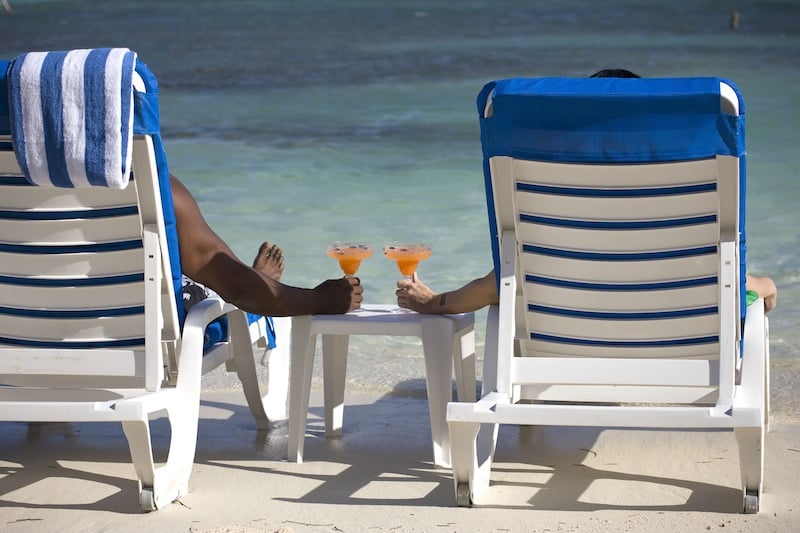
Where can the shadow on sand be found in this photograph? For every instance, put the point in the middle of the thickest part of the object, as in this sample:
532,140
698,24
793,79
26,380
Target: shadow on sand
384,457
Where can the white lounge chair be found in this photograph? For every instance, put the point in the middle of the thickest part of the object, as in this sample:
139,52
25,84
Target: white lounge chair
616,212
92,328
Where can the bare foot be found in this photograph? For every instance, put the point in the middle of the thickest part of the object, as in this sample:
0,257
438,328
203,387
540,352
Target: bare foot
269,260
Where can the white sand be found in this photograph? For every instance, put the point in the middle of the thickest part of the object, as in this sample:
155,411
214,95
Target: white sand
379,477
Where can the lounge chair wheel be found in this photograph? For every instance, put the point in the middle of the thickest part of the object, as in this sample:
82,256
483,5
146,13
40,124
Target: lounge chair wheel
462,495
751,502
147,500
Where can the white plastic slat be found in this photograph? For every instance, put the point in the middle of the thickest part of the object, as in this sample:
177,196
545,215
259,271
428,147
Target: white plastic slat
606,300
47,198
541,348
614,371
72,265
621,272
624,330
8,162
92,296
73,231
101,362
612,208
616,241
93,329
617,176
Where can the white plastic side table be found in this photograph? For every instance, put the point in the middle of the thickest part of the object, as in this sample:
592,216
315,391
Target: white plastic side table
448,342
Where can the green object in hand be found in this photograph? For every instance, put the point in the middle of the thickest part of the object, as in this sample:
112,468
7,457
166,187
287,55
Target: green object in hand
751,296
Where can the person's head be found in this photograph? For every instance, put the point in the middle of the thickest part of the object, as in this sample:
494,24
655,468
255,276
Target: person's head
614,73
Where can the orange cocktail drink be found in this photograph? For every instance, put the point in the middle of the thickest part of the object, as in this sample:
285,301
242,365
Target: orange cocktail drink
407,256
349,255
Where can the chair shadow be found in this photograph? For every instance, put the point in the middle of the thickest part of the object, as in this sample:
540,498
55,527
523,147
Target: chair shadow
387,442
36,453
384,457
561,468
384,443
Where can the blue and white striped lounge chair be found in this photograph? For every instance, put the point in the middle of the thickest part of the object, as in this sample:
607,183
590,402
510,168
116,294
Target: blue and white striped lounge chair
92,325
616,209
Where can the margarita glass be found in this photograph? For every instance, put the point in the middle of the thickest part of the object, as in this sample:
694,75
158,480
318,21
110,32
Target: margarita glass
407,255
349,254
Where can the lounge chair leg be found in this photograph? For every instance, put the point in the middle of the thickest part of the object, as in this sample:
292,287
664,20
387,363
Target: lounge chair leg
138,435
472,452
163,485
334,372
751,464
246,367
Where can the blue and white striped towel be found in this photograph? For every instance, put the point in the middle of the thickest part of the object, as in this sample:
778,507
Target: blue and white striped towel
72,116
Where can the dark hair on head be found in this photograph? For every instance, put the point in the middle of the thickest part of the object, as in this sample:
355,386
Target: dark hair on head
614,73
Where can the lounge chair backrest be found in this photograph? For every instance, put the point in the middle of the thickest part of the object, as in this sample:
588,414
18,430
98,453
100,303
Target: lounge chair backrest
619,243
82,267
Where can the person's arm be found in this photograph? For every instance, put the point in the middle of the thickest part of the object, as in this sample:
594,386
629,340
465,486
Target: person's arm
474,295
766,289
207,259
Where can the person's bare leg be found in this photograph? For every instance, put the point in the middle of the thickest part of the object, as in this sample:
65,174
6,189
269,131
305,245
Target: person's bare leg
269,260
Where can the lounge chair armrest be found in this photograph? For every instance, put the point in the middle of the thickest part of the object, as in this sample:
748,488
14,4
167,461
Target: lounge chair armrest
191,350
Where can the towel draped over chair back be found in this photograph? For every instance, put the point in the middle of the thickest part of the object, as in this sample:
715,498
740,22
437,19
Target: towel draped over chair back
135,113
71,116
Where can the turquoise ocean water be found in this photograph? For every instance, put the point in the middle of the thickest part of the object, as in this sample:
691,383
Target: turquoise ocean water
302,121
